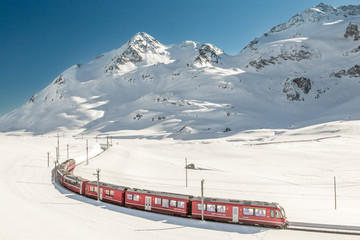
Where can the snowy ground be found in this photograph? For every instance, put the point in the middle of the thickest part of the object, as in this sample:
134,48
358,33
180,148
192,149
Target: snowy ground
293,167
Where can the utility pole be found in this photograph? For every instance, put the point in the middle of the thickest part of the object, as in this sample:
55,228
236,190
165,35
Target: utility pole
58,147
48,153
55,172
335,192
57,154
67,150
98,183
202,199
186,173
87,152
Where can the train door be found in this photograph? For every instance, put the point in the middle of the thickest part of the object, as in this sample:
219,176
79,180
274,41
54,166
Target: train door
101,194
148,203
235,214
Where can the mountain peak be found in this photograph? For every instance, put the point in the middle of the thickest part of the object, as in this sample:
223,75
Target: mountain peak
326,8
141,48
143,42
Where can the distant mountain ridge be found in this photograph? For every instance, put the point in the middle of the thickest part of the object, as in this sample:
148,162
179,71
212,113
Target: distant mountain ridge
301,72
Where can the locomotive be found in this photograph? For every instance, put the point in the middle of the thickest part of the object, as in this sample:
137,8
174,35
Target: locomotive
225,210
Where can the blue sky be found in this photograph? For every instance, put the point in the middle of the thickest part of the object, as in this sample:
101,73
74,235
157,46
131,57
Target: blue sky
39,39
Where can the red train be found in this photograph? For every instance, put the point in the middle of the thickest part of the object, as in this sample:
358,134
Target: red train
225,210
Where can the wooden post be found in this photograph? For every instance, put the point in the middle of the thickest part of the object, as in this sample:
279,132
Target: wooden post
202,200
48,153
335,192
87,152
67,149
186,173
107,141
98,183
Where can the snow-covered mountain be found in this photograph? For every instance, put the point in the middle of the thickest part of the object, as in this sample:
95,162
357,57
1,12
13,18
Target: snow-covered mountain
301,72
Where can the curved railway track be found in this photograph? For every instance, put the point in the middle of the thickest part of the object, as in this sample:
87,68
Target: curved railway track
324,228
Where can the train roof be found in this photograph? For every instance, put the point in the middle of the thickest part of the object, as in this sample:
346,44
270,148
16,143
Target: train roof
109,185
243,202
75,178
164,194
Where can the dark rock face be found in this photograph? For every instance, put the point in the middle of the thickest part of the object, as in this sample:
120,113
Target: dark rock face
353,72
294,55
295,87
60,80
251,45
351,10
352,30
32,99
140,44
208,54
129,55
355,50
303,83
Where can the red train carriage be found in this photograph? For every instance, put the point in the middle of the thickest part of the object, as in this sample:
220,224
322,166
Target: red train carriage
237,211
175,204
60,176
68,165
108,192
74,183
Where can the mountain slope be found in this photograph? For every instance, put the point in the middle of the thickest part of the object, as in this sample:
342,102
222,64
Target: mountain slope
304,71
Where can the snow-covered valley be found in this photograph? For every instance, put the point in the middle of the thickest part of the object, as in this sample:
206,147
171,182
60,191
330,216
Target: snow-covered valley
293,167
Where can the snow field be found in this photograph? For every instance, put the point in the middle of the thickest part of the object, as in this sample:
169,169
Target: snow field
294,168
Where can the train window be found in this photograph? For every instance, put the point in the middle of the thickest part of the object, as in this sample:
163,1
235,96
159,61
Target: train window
112,193
220,209
272,213
136,197
129,196
181,204
260,212
107,192
165,203
95,189
278,215
91,189
199,206
210,208
158,201
248,211
172,203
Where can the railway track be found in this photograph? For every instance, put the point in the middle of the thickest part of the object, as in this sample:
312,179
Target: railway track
324,228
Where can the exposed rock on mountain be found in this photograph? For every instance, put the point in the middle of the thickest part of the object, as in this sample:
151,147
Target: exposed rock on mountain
208,54
353,72
352,30
296,87
294,53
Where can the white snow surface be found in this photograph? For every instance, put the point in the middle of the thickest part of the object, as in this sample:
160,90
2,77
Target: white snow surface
292,167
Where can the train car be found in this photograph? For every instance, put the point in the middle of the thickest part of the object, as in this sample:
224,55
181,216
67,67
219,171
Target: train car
237,211
108,192
68,165
169,203
75,183
59,175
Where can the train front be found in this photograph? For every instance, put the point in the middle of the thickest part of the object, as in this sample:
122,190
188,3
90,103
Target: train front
284,218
